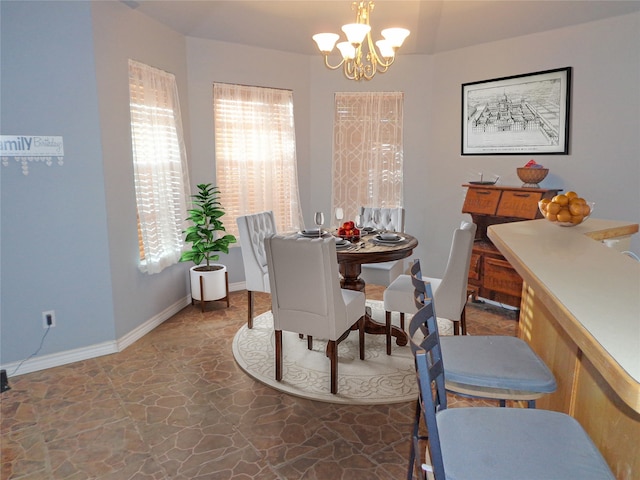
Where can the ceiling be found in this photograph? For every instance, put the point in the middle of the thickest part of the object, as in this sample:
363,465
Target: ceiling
435,25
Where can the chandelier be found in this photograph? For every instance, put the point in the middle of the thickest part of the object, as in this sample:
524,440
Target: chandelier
359,63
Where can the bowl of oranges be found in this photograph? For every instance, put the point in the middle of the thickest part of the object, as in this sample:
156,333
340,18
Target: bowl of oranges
566,209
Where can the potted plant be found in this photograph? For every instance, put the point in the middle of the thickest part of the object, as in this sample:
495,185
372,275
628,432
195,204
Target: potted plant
208,281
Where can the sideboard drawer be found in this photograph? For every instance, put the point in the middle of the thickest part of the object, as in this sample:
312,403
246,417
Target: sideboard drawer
474,267
500,276
519,204
482,201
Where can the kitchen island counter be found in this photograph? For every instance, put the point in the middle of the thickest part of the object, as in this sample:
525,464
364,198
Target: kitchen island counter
580,312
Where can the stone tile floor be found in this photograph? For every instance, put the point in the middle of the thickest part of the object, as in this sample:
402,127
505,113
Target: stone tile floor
176,406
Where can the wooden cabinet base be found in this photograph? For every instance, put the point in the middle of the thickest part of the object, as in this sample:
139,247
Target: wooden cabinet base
490,273
582,391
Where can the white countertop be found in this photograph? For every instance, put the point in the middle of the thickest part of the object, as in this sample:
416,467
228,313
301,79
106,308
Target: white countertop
598,286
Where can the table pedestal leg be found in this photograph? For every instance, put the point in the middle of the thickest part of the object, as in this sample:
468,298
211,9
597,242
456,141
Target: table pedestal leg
351,280
351,276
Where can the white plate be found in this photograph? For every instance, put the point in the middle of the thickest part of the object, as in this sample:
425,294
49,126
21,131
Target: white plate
343,244
312,233
389,242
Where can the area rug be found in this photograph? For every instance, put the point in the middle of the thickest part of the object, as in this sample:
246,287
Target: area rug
378,379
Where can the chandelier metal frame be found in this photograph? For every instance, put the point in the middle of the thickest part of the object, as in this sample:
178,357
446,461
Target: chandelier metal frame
357,63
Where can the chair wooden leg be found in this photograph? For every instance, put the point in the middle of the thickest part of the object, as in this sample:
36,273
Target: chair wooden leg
278,355
309,342
250,309
402,320
463,321
202,293
332,350
361,336
387,318
456,328
226,288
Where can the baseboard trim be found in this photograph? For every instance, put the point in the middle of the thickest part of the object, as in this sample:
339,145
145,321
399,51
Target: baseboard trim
97,350
106,348
61,358
140,331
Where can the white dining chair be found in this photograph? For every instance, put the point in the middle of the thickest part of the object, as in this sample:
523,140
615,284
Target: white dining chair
252,231
390,219
306,297
450,291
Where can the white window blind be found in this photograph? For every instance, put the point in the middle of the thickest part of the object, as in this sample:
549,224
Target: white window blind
256,154
160,165
367,151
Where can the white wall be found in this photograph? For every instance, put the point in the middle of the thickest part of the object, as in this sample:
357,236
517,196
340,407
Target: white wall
411,75
60,220
210,61
55,251
120,34
604,161
603,164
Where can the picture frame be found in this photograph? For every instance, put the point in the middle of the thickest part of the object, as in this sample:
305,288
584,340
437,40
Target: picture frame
517,115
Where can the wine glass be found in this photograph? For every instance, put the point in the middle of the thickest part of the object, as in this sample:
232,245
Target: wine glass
376,219
339,216
358,222
318,218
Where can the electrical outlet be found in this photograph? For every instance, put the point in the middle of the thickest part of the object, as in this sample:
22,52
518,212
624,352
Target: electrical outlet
48,319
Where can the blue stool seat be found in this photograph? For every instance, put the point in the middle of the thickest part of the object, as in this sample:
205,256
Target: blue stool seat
516,443
495,362
481,443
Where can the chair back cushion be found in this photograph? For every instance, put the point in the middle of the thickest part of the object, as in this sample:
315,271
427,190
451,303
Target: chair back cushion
388,218
305,291
451,295
252,231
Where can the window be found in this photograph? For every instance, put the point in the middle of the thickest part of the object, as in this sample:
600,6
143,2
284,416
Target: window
367,151
256,154
159,164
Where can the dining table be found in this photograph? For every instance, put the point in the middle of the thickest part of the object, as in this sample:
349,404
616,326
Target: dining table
370,248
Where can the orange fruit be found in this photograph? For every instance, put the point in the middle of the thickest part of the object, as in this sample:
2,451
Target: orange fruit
553,208
564,215
543,204
561,199
552,217
576,208
571,194
586,209
576,219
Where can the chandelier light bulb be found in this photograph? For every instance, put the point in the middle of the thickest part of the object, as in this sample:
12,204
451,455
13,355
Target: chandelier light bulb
360,59
395,36
356,32
386,50
326,41
347,50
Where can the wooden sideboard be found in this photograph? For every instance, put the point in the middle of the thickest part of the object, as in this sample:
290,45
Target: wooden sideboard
490,274
580,311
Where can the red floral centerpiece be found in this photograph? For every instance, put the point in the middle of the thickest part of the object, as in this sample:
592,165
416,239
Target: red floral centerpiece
348,231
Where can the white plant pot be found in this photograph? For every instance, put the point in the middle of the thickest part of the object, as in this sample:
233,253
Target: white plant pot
214,283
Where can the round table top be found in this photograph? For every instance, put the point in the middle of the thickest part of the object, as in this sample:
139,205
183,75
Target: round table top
373,252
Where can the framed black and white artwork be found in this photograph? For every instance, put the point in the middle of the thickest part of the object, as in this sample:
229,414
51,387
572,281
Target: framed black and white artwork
517,115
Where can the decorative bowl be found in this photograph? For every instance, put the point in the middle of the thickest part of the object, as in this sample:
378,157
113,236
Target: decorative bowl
532,176
389,236
574,219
